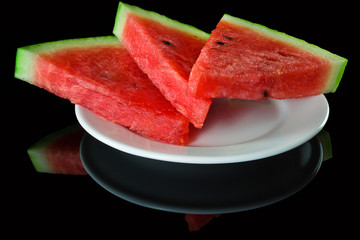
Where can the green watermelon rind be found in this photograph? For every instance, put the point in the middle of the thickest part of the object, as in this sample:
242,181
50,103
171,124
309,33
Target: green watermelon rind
37,151
125,9
338,63
26,56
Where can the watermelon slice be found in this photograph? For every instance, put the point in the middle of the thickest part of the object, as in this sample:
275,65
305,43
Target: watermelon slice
100,75
165,50
59,152
249,61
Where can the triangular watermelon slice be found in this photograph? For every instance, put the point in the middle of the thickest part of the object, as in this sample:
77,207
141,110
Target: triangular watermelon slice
249,61
99,74
165,50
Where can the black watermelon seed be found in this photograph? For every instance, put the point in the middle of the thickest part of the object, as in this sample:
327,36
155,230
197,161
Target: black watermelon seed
167,43
229,38
266,94
221,43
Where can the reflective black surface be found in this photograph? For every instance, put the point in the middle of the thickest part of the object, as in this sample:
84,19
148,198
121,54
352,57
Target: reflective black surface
201,188
37,204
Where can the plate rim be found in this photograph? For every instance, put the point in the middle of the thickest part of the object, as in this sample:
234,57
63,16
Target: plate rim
188,154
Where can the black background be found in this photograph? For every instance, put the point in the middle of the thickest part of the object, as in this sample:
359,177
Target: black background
42,204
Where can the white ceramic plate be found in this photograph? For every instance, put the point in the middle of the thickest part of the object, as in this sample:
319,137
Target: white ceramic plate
234,131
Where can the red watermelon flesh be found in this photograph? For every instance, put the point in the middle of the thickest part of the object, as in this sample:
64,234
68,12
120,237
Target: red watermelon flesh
165,50
249,61
100,75
59,152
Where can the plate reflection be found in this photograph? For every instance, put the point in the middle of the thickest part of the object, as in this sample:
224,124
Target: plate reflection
203,188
